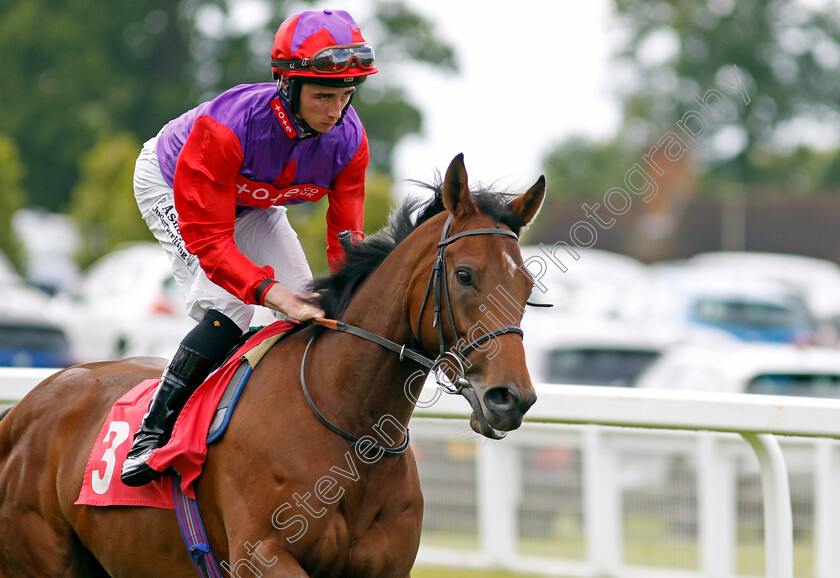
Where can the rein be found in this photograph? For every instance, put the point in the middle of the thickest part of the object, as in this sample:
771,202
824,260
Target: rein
364,443
461,385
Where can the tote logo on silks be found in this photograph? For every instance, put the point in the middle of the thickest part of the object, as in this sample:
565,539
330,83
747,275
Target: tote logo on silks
264,195
280,113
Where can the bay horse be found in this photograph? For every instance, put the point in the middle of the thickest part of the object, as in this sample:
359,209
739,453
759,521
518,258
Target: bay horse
282,494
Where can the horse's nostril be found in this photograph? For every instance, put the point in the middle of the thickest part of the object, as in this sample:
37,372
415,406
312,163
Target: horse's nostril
501,399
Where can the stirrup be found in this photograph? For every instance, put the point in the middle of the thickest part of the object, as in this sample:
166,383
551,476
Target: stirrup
135,472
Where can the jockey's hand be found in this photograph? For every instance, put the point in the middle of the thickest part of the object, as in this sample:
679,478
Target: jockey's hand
281,299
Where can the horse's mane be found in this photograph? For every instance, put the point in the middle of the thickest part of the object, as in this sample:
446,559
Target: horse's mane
362,258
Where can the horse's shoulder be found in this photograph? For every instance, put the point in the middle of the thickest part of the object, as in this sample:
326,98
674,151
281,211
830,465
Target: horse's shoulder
139,364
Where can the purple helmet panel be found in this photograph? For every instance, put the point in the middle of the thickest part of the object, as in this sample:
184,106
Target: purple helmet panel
338,23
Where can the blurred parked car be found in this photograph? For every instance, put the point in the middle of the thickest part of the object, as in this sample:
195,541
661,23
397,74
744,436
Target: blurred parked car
28,337
29,340
762,368
817,280
594,350
50,241
128,304
596,282
750,308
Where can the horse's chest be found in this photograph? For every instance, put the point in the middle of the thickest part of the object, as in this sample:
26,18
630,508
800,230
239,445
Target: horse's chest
376,532
387,546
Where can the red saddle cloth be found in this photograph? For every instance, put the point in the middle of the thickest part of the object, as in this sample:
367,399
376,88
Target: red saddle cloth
187,447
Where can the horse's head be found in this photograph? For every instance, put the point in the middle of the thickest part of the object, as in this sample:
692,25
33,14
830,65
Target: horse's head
477,291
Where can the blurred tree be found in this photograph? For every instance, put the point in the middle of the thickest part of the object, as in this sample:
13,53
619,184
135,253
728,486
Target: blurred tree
582,166
102,202
12,198
801,170
787,54
75,72
388,118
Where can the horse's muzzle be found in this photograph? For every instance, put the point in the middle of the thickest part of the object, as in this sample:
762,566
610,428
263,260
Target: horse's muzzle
505,407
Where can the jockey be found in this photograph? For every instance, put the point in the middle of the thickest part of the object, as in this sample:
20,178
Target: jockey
213,187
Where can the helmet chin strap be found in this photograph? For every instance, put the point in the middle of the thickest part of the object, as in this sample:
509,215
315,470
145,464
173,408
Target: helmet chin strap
289,91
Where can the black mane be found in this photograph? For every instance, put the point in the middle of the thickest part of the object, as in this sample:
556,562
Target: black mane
364,257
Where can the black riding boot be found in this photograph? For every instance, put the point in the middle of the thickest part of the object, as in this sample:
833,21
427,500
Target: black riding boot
204,347
184,374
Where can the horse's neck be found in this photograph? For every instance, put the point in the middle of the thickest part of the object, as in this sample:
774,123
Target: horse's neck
366,373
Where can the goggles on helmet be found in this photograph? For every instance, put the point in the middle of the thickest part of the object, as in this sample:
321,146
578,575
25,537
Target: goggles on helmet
332,60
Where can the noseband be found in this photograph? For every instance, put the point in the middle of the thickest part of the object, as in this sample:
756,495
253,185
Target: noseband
437,286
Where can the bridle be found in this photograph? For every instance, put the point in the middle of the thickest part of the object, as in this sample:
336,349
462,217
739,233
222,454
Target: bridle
437,287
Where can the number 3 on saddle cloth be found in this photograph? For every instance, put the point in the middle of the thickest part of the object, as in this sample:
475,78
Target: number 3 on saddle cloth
186,449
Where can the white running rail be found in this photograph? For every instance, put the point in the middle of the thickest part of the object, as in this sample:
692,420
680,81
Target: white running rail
757,418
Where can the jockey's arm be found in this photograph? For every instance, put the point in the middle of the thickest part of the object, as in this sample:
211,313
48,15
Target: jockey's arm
347,204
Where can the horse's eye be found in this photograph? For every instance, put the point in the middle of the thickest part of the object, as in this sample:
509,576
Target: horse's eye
463,276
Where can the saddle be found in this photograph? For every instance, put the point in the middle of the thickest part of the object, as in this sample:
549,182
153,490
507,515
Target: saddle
202,421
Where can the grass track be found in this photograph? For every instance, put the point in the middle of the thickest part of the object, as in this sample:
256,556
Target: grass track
439,572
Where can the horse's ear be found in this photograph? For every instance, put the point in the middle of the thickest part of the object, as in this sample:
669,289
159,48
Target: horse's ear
456,190
529,203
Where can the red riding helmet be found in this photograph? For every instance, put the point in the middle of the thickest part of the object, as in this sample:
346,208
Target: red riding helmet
325,46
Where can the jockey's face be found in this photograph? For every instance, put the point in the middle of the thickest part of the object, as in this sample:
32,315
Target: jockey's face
321,106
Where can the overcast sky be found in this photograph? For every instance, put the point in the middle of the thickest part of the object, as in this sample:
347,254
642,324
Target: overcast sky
532,72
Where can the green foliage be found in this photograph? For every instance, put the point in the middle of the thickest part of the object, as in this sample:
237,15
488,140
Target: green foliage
12,198
407,36
388,118
800,171
787,51
378,202
443,572
582,167
309,219
76,70
103,203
